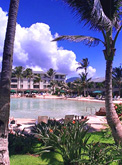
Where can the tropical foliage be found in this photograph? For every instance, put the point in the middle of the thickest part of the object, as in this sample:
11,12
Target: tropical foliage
83,65
20,143
65,139
28,73
118,108
37,78
18,72
51,74
117,77
76,146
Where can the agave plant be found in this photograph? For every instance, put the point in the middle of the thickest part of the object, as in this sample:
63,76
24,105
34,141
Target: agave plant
69,140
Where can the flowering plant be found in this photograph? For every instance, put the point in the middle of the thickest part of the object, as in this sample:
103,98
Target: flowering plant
118,108
69,140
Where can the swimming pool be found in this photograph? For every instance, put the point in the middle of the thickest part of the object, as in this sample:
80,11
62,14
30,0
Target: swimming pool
53,108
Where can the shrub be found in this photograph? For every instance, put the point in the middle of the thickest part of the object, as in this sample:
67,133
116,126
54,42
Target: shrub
20,143
66,139
118,108
98,153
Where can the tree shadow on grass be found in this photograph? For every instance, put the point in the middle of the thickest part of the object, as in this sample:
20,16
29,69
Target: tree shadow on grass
52,158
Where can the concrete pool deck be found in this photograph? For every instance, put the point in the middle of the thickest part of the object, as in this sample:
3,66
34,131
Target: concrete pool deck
96,123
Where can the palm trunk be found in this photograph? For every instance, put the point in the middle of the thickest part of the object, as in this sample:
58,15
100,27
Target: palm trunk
5,82
120,90
84,92
111,115
18,83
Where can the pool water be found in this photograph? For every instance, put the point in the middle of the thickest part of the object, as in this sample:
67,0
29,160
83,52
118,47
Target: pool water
53,108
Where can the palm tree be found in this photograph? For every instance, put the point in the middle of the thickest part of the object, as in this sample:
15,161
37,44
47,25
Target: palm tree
91,85
117,77
18,72
77,86
84,81
83,64
37,79
104,16
28,73
51,74
100,85
5,81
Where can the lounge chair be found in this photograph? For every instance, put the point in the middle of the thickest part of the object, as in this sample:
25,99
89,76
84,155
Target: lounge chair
68,118
115,98
42,119
118,98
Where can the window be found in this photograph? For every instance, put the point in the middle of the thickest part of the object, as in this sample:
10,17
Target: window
44,86
56,76
13,86
62,77
44,76
36,86
13,80
21,86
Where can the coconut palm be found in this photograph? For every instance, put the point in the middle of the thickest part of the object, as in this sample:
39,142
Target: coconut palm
77,86
51,74
104,16
91,85
83,64
84,81
18,72
117,77
5,81
100,85
28,73
37,79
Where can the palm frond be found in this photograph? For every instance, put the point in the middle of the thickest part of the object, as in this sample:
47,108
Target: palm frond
99,14
98,17
87,40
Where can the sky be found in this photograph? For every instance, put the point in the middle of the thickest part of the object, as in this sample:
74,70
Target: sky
38,23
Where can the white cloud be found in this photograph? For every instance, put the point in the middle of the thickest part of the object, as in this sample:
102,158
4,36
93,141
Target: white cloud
33,48
91,71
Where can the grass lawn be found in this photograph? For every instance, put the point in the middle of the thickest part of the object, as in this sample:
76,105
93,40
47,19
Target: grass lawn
48,158
103,136
25,160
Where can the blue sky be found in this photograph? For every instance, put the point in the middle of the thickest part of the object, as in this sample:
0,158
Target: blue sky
53,17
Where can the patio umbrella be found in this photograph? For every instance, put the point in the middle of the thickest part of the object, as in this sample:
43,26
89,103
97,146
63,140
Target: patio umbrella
13,91
62,91
97,91
27,91
34,91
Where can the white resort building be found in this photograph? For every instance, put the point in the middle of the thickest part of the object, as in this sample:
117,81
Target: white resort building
27,85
